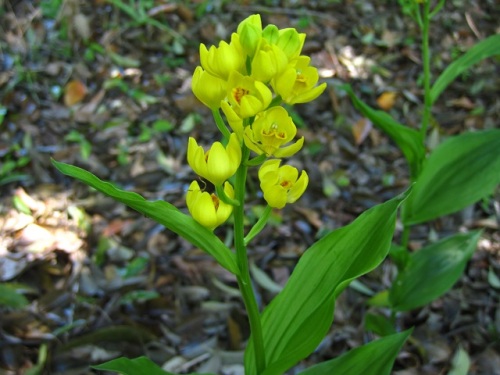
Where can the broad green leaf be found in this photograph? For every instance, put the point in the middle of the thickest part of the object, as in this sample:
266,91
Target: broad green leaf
136,366
297,319
408,140
375,358
460,171
482,50
163,213
432,271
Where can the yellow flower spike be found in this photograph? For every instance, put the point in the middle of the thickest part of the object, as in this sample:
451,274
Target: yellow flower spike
217,164
250,34
268,61
281,185
234,121
297,84
246,95
207,209
209,89
270,131
221,61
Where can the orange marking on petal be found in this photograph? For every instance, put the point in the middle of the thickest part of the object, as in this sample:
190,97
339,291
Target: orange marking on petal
238,93
216,201
286,184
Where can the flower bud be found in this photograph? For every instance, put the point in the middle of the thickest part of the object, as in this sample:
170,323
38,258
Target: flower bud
290,41
209,89
268,61
221,61
207,209
250,33
217,164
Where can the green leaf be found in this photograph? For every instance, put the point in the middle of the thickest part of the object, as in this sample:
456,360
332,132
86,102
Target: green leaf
432,271
136,366
460,171
163,213
379,324
375,358
296,320
482,50
10,296
408,140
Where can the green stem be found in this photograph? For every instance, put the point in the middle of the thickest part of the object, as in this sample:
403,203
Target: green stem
244,280
259,225
276,101
223,196
437,8
426,61
221,125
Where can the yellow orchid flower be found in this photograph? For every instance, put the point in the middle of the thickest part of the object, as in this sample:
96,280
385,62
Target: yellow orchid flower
297,84
221,61
281,185
268,61
209,89
270,131
217,164
207,209
246,95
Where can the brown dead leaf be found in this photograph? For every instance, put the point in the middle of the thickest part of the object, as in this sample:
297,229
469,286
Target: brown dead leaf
386,100
361,129
462,102
74,92
312,216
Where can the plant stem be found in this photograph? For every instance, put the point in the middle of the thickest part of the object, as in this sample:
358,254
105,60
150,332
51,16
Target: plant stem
220,123
244,280
426,61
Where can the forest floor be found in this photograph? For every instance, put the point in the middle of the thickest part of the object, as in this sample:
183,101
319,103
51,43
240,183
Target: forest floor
107,88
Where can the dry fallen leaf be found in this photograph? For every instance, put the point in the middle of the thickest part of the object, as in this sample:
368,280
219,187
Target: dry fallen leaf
74,92
386,100
462,102
361,129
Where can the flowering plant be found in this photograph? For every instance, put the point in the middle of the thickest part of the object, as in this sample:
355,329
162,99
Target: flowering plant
249,79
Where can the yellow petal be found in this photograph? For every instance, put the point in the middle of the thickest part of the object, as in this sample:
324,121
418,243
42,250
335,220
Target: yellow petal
285,152
235,121
275,196
298,188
